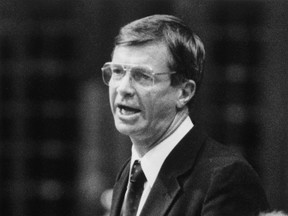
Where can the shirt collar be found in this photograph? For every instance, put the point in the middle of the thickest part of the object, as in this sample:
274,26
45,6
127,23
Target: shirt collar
152,161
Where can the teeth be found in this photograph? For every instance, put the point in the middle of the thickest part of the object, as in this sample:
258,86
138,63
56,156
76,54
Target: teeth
126,112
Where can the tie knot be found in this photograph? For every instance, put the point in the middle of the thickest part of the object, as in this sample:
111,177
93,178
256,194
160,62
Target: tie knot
137,174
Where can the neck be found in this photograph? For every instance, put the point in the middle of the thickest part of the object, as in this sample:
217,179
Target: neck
143,148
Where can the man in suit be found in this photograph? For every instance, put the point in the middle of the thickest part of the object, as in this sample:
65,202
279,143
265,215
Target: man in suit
153,77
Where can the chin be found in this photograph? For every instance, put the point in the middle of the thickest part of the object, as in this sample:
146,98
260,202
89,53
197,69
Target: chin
125,129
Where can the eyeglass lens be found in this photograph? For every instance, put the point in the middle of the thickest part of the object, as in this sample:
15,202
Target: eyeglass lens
113,73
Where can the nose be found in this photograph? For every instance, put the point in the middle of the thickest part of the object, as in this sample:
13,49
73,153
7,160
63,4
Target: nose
125,86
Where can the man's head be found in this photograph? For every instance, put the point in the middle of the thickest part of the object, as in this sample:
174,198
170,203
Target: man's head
156,66
185,47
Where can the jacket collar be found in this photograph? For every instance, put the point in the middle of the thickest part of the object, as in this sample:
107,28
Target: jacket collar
119,189
167,185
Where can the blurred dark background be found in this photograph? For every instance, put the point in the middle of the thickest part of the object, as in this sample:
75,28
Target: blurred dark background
59,151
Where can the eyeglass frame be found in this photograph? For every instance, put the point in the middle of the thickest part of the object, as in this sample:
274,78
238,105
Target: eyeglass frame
128,67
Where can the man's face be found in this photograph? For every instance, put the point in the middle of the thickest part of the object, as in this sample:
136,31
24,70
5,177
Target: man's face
140,112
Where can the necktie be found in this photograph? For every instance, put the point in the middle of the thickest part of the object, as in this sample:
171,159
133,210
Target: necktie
135,189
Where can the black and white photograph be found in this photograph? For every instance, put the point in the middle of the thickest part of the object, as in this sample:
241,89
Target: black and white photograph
143,108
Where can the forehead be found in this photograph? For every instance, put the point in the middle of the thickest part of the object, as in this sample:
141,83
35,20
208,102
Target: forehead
154,55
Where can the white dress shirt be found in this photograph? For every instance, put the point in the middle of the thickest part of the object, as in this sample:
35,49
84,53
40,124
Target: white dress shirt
152,161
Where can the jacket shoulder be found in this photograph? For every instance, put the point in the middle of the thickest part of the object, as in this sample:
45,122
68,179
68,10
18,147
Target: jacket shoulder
215,157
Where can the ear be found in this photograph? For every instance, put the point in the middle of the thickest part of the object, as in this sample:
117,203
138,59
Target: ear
186,93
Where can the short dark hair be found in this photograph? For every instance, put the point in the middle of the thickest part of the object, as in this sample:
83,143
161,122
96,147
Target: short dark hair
186,48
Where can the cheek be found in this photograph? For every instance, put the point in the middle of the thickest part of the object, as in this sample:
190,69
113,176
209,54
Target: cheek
164,109
112,96
162,106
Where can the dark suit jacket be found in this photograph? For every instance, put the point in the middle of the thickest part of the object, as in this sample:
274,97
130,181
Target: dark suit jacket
199,177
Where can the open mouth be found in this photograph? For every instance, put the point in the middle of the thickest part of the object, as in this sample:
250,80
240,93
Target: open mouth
125,110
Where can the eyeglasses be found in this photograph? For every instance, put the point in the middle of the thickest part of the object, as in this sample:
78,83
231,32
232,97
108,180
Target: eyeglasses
142,75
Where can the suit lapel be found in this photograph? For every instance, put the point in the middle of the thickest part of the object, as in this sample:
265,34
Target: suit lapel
168,183
119,190
160,197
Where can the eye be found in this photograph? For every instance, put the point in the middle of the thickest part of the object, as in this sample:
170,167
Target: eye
141,74
116,70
